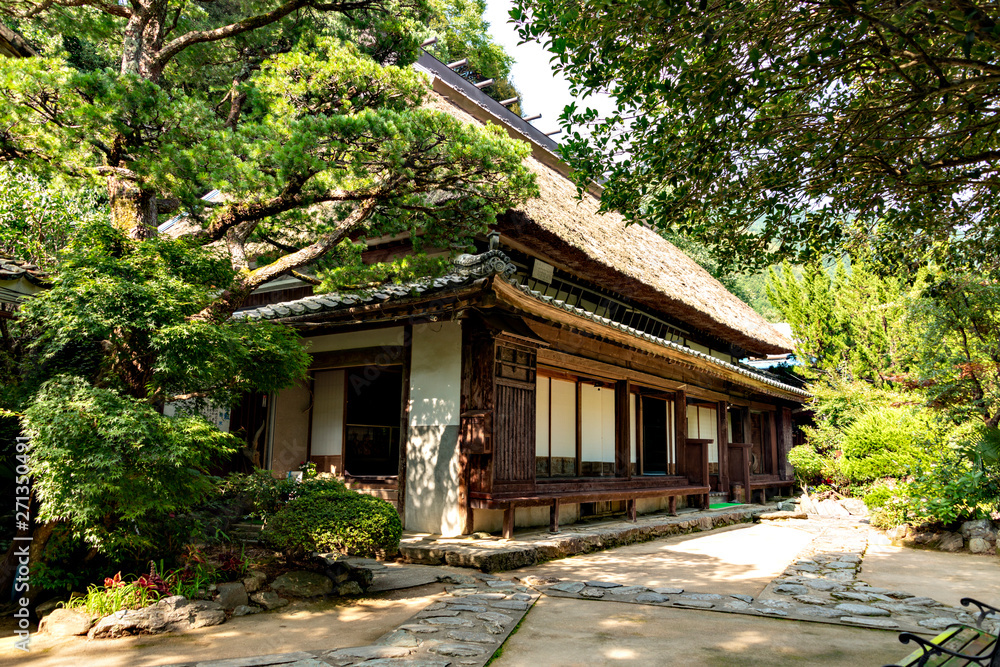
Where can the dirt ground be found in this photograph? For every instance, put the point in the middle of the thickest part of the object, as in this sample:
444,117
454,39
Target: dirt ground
740,559
569,633
943,576
301,626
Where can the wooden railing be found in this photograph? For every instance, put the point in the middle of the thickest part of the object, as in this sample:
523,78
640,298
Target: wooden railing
696,464
739,469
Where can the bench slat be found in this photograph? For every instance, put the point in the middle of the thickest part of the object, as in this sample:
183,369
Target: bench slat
960,640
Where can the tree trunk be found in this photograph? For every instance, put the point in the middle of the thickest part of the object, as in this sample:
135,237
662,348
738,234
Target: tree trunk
133,209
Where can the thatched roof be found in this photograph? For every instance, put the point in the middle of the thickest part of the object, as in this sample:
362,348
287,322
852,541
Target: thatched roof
13,45
486,272
629,259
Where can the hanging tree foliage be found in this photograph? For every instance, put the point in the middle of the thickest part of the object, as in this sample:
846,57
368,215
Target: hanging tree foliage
777,129
304,113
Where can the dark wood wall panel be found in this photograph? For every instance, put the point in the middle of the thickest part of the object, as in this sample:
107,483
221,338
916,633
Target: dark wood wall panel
514,452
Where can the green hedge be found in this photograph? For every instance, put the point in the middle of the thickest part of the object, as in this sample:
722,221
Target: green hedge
345,521
886,442
808,463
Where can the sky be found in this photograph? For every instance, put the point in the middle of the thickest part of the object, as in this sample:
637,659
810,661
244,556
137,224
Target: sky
542,90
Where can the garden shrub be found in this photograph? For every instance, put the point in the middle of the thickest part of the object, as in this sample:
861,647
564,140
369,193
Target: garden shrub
262,494
895,511
952,490
877,496
808,463
886,442
347,521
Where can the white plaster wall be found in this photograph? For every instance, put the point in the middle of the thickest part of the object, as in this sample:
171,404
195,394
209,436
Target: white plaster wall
563,418
703,424
355,339
542,417
432,465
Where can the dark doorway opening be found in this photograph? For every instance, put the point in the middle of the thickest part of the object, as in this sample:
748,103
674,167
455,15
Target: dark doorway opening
655,438
372,421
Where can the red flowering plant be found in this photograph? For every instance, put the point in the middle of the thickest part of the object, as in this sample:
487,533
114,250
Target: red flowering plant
154,583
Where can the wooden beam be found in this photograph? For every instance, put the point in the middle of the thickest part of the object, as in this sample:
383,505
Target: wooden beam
386,355
680,430
579,430
404,430
606,371
784,442
771,424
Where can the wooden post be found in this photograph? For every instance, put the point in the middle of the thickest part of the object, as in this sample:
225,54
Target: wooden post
785,443
632,510
579,430
623,467
722,412
639,464
772,423
404,420
508,522
554,516
680,430
672,505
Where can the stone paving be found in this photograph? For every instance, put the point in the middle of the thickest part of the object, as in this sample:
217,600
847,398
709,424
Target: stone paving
479,611
465,627
531,546
821,585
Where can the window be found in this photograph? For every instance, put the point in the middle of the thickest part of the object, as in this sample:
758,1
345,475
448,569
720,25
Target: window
597,430
560,435
356,415
555,438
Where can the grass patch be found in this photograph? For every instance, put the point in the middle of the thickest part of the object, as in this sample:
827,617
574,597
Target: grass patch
499,652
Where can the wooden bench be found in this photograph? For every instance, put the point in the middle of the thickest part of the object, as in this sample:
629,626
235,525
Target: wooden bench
958,645
553,500
763,482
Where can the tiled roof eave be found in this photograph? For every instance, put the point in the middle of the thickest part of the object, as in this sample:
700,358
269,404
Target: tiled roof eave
640,335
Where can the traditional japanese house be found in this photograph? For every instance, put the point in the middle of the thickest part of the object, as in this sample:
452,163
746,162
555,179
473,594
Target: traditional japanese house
574,366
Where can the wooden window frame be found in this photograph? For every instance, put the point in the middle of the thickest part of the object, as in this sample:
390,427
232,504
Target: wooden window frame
345,365
641,391
579,380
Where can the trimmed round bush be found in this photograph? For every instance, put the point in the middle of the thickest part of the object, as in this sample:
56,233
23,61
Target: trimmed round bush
352,523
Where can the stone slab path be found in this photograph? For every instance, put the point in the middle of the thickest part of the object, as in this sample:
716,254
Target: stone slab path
534,546
464,627
821,585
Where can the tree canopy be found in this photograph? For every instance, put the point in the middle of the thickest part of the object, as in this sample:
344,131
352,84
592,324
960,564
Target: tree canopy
776,129
304,114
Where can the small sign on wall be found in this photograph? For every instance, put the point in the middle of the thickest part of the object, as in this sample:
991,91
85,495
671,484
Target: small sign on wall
541,271
216,415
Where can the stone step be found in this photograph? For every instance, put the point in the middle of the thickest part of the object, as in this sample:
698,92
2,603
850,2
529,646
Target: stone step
390,495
